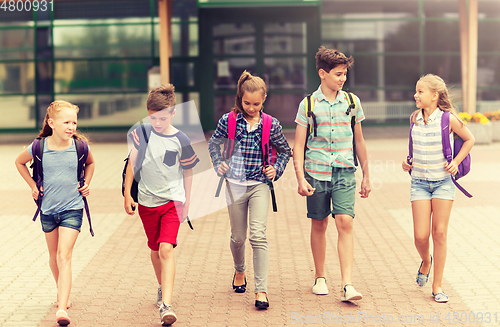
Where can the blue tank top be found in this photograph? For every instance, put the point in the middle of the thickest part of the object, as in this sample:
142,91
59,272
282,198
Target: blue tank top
60,183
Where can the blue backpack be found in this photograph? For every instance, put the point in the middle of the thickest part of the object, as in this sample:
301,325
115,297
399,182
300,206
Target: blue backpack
82,151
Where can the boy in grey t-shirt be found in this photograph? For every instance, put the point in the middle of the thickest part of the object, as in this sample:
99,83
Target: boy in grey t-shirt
164,188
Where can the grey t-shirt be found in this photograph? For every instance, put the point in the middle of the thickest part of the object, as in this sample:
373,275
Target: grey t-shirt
166,156
60,182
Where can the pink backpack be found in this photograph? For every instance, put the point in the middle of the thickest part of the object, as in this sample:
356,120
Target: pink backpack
267,121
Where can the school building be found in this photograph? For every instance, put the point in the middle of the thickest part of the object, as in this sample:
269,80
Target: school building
103,55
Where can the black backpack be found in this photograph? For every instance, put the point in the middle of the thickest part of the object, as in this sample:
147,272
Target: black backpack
140,158
146,131
82,151
312,125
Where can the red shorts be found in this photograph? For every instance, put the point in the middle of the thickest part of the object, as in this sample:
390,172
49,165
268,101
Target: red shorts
161,224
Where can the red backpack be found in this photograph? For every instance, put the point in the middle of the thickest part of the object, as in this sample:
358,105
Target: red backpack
267,121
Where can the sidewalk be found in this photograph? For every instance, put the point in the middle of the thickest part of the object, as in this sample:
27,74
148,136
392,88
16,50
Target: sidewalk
114,283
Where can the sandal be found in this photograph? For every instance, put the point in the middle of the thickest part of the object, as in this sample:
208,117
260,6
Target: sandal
62,320
440,297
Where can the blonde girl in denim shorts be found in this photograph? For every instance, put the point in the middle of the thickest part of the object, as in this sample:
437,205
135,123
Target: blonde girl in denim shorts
432,188
62,205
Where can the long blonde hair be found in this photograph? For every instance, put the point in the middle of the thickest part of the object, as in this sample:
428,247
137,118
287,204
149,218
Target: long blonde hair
437,84
248,83
52,111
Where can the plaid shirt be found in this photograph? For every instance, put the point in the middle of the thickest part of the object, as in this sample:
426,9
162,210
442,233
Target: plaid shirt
246,163
333,145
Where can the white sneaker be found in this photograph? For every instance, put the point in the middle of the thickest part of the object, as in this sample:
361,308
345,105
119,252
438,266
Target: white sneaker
348,293
167,315
319,287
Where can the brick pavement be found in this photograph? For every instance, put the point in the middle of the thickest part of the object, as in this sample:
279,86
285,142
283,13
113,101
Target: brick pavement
114,283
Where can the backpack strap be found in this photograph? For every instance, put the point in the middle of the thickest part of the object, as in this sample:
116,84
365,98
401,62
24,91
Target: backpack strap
141,153
82,152
267,122
229,147
410,143
447,151
37,151
445,136
352,110
231,134
189,222
312,124
270,182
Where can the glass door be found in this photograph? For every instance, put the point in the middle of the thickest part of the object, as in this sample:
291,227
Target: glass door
280,48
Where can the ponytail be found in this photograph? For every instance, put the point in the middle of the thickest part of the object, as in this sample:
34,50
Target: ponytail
248,83
46,129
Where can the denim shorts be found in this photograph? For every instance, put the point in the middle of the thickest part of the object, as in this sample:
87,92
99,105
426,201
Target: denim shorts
427,190
69,219
334,197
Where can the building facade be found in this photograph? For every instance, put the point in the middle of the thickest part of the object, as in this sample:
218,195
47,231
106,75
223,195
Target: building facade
99,55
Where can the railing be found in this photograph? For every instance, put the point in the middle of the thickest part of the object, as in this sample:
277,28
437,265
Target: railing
382,111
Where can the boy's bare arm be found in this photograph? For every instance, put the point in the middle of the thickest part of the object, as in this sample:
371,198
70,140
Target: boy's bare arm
298,151
362,155
304,188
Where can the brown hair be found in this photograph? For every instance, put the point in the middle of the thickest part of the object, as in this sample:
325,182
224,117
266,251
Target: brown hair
437,84
248,83
52,111
162,97
327,59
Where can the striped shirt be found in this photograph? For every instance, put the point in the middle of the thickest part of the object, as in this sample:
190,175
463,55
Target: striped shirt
333,145
428,159
246,163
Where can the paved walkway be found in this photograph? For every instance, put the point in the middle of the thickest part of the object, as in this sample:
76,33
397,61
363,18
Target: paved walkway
114,284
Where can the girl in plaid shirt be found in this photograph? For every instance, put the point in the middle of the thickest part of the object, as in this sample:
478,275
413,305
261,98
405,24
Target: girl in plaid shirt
246,180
